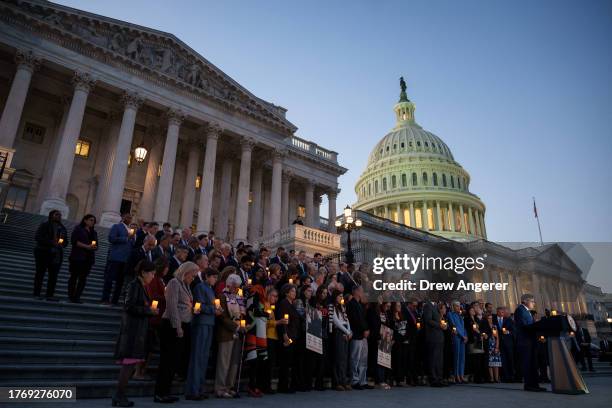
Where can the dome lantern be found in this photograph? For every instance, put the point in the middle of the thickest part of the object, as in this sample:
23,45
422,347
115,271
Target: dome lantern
404,109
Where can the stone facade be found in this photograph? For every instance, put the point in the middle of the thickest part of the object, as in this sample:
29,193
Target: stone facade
74,82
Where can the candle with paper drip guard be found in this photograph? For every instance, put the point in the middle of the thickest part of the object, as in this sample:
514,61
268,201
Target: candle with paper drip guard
94,243
505,331
418,325
553,312
286,317
342,301
60,240
154,304
249,281
290,281
240,292
217,303
243,323
132,231
197,307
273,307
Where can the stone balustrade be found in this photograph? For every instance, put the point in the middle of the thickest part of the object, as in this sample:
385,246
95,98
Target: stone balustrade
300,237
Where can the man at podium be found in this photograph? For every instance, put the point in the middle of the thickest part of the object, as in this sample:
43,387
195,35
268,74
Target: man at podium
527,343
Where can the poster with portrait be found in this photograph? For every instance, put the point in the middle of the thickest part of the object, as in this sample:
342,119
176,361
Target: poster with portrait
314,330
384,346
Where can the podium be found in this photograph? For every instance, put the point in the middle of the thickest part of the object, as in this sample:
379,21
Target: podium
564,376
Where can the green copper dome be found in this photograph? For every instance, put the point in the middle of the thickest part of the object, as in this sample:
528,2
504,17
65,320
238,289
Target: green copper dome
412,178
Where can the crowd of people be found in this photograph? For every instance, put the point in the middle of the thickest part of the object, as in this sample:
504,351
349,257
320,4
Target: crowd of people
211,310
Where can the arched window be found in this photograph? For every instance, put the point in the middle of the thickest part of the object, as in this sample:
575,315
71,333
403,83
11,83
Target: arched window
424,178
384,184
404,181
375,186
444,180
393,181
403,145
414,179
418,143
435,179
452,181
458,183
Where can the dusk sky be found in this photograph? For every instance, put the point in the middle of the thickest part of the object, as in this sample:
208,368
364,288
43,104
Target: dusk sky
520,91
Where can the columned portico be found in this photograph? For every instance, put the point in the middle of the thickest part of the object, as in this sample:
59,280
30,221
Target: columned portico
164,189
60,176
110,213
241,220
256,208
147,203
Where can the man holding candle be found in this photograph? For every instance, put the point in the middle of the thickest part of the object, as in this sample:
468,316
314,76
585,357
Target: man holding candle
527,343
359,342
121,238
202,327
51,239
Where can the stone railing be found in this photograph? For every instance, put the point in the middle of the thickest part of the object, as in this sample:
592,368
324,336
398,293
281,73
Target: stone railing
300,237
312,148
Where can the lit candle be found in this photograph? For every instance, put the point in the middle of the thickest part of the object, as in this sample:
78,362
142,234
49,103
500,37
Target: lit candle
269,311
197,307
240,292
572,334
504,331
217,303
418,325
286,317
243,323
93,243
454,330
342,301
272,307
250,281
290,281
494,331
60,241
154,304
553,312
542,338
132,231
475,326
290,341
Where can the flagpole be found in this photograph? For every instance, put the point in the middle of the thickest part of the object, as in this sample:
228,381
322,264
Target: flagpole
535,211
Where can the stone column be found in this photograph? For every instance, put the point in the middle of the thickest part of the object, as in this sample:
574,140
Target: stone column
189,191
285,199
331,210
400,214
241,221
309,202
275,199
147,203
62,171
27,63
412,217
256,206
425,217
471,221
224,197
112,201
208,178
451,217
461,214
439,217
317,213
482,223
164,188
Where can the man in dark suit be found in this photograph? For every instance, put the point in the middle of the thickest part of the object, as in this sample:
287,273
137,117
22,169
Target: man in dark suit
121,238
145,251
527,343
434,342
202,242
413,369
301,266
226,257
179,257
278,259
163,247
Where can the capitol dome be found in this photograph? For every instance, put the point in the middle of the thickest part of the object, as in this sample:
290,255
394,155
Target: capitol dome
411,173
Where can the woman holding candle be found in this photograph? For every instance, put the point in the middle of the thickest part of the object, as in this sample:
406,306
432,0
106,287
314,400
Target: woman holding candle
493,348
84,241
131,345
289,334
341,337
459,339
229,335
175,329
51,239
